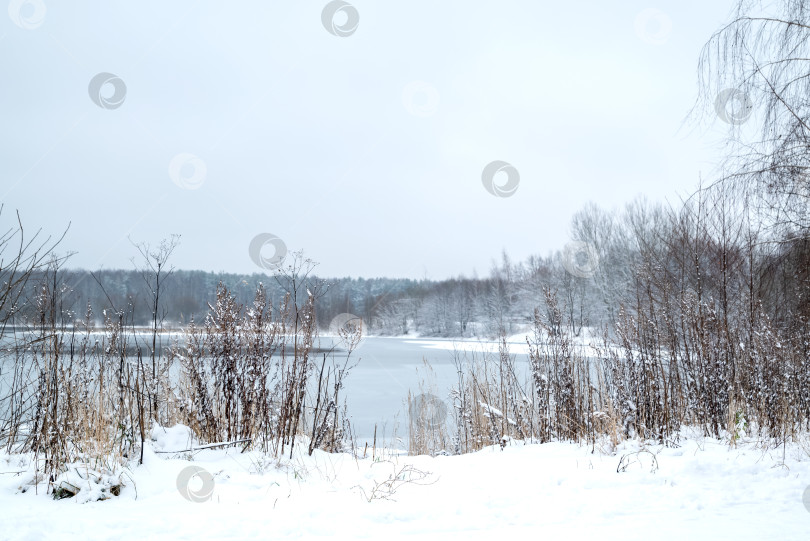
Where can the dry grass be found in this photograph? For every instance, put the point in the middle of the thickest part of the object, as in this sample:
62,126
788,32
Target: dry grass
427,418
71,396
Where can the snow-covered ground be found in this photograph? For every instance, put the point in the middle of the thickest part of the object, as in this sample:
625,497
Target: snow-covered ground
701,490
587,339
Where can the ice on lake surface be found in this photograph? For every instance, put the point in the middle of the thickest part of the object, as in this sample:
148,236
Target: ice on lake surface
385,370
377,388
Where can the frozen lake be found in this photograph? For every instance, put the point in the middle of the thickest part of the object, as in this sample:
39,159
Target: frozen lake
386,369
377,388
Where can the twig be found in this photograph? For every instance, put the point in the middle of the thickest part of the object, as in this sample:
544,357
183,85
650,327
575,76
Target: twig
209,446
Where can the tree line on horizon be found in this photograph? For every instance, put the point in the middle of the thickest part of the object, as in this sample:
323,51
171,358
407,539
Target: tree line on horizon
713,249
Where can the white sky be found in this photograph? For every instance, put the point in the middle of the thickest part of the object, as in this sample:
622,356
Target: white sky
308,136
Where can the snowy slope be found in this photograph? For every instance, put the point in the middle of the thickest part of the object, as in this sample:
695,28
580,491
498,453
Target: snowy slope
700,490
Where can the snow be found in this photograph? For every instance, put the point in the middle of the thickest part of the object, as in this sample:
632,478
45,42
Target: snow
703,489
585,342
468,344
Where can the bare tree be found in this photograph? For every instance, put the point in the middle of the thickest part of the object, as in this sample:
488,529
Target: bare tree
760,61
20,258
155,272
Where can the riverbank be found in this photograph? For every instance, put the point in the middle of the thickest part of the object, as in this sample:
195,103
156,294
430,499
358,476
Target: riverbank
698,488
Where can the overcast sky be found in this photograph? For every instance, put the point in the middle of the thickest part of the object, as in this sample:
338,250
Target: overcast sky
365,145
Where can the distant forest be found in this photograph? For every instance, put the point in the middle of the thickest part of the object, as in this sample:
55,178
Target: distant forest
186,293
645,260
